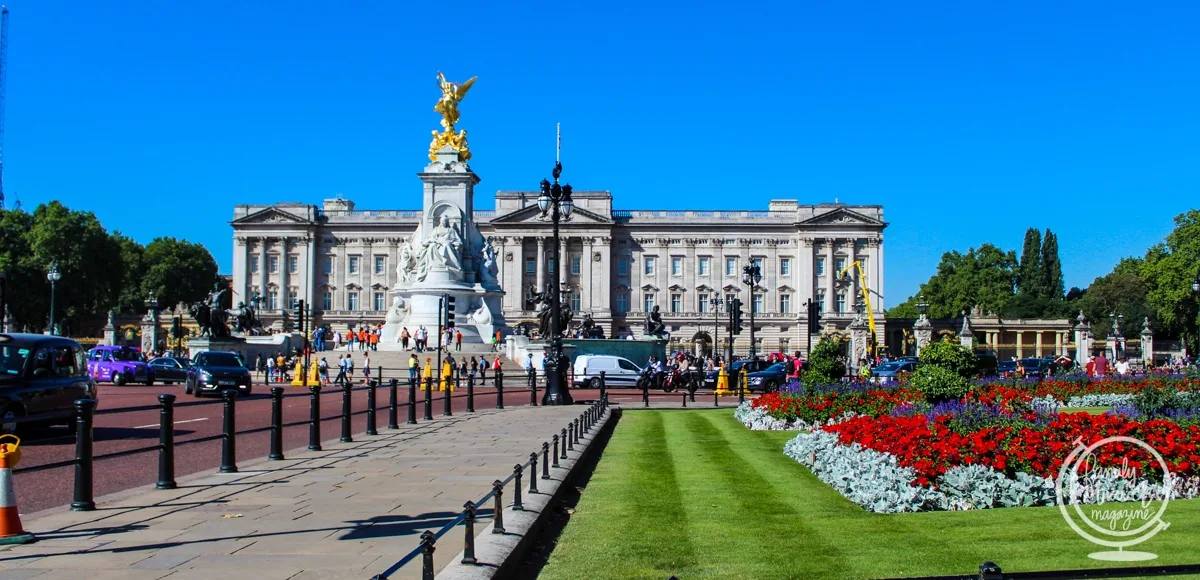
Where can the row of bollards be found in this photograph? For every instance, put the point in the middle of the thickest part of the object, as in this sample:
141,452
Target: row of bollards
569,436
85,409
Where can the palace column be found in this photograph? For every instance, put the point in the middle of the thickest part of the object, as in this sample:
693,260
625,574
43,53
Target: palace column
564,261
262,268
541,264
502,272
830,277
804,267
586,270
310,280
1058,343
283,273
1037,341
605,302
1020,344
241,265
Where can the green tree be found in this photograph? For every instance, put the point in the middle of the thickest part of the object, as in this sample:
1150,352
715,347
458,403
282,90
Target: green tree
28,294
826,363
1168,271
177,271
130,295
1121,291
1030,273
981,277
86,258
951,356
1052,276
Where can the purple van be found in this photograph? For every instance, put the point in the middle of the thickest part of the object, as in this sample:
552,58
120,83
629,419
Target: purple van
119,364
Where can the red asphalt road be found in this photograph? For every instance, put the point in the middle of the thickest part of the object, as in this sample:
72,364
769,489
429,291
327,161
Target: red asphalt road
116,430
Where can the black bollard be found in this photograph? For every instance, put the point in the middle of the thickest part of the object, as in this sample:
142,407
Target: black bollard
428,398
412,401
469,538
564,446
498,507
517,505
229,434
533,459
603,388
371,430
645,395
533,399
499,388
314,418
427,548
392,410
166,441
346,438
716,401
570,437
471,394
84,410
741,388
446,410
546,460
555,456
684,399
276,452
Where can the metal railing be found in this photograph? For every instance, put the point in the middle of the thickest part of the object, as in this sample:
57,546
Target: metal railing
570,436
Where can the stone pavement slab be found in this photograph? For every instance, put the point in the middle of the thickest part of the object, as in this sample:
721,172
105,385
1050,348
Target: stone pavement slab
349,511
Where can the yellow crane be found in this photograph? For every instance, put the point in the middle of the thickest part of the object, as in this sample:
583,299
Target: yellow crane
866,294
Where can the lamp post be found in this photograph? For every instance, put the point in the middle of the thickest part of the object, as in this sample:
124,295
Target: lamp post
555,203
922,305
151,304
1196,293
715,304
751,276
53,276
3,302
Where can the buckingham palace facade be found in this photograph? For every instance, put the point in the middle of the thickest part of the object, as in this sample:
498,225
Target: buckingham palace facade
618,264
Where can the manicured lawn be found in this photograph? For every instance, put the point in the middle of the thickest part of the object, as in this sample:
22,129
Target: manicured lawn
697,495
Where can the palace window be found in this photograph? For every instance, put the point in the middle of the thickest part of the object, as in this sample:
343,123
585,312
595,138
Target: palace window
291,297
253,267
702,302
531,265
785,266
821,301
352,300
380,265
840,305
758,263
353,265
327,265
839,264
576,302
378,301
648,302
550,265
785,303
293,264
676,266
649,270
819,266
576,265
327,300
273,264
702,266
622,302
731,267
729,300
757,303
676,303
272,299
622,266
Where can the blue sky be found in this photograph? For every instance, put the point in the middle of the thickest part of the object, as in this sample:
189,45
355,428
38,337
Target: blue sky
967,121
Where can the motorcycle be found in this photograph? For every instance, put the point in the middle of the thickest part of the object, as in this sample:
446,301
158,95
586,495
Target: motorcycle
651,379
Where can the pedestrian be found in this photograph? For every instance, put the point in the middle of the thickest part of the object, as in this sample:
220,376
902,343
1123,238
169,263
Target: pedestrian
367,368
260,365
323,371
496,370
483,367
404,338
471,373
413,363
427,375
375,340
341,376
270,368
458,340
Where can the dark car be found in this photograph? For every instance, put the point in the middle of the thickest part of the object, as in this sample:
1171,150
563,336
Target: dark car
769,379
753,366
891,370
169,369
41,374
216,371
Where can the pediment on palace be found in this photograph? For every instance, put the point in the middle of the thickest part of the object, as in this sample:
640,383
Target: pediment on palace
271,215
732,288
841,216
531,214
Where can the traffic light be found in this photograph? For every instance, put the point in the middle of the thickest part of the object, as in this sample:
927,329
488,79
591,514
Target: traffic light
735,317
814,318
176,328
448,300
298,314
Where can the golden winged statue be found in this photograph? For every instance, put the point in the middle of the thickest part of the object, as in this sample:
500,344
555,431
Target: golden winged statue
448,106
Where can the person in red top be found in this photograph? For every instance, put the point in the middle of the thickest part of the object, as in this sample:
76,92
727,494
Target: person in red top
1090,367
458,340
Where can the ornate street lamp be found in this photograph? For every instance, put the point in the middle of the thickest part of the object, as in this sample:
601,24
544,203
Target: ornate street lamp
53,276
751,276
555,203
922,305
715,304
1196,292
151,302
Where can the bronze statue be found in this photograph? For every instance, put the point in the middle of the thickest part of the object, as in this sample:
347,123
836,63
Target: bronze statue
545,310
589,329
452,94
654,324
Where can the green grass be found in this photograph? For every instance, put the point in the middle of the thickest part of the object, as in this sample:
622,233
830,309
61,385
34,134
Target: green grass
697,495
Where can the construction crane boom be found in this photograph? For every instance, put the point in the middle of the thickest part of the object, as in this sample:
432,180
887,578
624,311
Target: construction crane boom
3,74
866,296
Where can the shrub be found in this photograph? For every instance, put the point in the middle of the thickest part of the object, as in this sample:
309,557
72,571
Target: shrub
951,356
825,364
938,384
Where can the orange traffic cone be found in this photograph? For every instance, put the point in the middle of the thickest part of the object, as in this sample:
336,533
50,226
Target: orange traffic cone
11,531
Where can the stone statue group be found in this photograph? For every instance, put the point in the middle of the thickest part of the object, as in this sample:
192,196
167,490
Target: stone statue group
214,320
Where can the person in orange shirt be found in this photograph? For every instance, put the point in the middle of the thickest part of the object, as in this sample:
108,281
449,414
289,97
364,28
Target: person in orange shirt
362,339
375,340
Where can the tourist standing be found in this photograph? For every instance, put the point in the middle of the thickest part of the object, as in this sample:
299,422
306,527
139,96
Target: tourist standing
458,340
413,363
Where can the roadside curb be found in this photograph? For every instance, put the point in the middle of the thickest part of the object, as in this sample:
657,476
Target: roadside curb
500,555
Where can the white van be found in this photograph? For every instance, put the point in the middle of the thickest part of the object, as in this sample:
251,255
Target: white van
618,372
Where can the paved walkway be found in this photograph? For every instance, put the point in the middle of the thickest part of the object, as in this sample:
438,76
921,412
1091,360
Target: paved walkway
346,512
